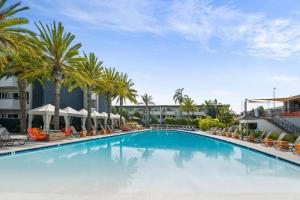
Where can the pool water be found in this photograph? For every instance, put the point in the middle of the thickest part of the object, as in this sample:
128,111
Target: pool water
148,165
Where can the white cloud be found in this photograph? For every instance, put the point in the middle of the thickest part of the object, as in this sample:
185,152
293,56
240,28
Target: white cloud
284,78
199,20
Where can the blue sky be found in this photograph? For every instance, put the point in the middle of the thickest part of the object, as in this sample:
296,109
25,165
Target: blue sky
224,49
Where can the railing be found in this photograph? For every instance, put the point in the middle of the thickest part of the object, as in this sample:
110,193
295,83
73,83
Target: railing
285,125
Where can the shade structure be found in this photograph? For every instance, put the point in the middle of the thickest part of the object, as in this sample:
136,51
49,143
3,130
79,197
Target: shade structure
47,111
71,113
104,117
95,116
84,114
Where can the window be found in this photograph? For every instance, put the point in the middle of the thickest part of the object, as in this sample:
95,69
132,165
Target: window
12,116
15,95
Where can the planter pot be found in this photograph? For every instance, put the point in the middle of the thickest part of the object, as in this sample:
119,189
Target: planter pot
83,133
297,148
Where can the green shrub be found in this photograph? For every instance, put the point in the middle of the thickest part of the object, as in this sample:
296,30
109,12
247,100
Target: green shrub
208,122
274,136
290,138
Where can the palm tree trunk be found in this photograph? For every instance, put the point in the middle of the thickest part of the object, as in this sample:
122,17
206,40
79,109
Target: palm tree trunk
89,108
120,112
108,109
22,99
147,116
57,78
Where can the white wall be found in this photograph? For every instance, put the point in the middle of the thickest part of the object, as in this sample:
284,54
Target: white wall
293,120
264,125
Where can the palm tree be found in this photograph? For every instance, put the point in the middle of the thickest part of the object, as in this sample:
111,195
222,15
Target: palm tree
10,34
125,92
60,56
90,71
188,105
24,64
211,107
107,86
147,100
178,97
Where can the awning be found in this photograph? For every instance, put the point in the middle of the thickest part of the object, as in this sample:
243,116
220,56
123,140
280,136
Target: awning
282,99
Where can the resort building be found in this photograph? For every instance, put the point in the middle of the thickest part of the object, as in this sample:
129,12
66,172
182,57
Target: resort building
38,95
162,111
284,118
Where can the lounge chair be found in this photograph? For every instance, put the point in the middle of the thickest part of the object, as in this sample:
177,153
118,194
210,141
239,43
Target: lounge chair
67,131
260,138
236,134
36,134
222,132
267,141
228,133
295,147
7,139
74,131
280,141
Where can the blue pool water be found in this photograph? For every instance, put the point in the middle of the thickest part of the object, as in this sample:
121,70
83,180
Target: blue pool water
148,165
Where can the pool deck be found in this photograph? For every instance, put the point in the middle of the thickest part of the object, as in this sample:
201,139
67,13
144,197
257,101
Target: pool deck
278,154
283,155
35,145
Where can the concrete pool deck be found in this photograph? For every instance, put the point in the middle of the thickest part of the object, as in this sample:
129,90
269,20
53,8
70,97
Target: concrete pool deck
283,155
35,145
278,154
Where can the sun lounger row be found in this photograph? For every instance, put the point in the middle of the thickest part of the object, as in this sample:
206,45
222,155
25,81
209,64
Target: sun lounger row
264,138
6,139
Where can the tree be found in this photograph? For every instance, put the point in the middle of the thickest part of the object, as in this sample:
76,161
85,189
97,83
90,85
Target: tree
125,91
60,55
11,35
178,97
188,105
26,65
211,107
107,86
226,115
90,70
147,100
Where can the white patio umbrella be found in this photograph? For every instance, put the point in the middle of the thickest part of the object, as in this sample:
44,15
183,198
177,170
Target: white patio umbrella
47,111
71,113
84,114
113,117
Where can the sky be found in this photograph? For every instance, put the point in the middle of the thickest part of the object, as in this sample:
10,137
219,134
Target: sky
224,49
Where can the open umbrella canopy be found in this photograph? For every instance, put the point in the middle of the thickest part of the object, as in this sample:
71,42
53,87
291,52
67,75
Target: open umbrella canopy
113,116
46,110
72,112
95,114
83,112
103,114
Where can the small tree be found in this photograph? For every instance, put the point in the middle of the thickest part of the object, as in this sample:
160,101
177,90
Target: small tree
226,115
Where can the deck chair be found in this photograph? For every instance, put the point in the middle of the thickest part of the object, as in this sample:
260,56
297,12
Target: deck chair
268,141
7,139
74,131
279,140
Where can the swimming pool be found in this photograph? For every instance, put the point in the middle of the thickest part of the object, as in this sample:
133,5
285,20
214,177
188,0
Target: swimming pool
148,165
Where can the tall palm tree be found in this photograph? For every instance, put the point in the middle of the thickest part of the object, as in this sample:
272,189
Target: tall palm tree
125,92
107,86
26,65
90,70
147,100
211,107
60,55
188,105
178,97
11,35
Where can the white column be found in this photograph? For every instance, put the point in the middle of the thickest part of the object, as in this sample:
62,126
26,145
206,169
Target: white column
67,121
30,117
83,119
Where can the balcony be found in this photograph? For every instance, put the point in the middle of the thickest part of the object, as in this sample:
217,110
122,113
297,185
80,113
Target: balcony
10,104
8,83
